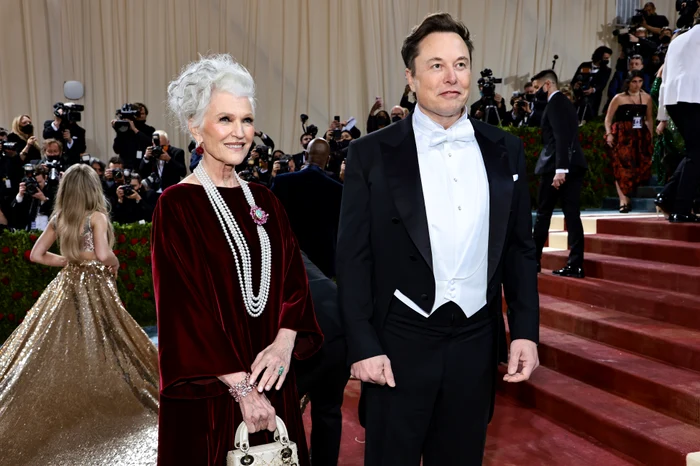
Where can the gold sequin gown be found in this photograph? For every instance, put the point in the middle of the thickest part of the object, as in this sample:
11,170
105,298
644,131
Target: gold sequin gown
79,377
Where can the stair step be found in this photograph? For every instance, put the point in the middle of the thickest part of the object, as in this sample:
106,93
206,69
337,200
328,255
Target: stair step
648,192
654,227
658,386
666,306
680,278
519,435
666,342
650,437
650,249
638,204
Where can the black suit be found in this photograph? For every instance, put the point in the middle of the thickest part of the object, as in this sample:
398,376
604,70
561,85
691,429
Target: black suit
173,170
312,202
598,81
384,245
324,375
561,150
71,155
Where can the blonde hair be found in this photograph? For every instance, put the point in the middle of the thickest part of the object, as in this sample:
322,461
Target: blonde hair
50,142
17,129
79,195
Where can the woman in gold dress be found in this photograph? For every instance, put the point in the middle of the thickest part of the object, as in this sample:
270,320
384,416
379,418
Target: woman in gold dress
79,377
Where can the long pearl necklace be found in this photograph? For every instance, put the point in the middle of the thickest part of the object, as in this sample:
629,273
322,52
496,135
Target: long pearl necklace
255,305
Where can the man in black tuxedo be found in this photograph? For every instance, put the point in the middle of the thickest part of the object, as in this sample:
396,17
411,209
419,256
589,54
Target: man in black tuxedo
168,164
435,221
70,134
324,375
312,201
561,167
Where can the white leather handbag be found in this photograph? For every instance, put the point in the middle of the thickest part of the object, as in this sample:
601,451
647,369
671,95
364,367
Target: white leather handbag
283,452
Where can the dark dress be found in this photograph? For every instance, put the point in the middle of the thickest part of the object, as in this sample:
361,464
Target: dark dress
204,330
632,151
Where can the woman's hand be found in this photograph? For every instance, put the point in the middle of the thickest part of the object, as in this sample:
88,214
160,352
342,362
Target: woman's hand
661,127
273,362
258,413
610,140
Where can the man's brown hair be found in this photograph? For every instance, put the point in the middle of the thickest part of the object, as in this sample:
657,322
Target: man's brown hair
436,22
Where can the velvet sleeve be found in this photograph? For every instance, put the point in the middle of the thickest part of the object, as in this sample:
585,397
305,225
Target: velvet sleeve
193,346
297,311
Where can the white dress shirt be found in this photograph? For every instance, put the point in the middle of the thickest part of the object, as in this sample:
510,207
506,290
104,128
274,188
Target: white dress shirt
456,194
681,71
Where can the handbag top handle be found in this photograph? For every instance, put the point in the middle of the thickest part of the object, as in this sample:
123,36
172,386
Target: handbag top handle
241,438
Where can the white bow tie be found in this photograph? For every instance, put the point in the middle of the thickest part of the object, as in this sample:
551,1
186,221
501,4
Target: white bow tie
462,132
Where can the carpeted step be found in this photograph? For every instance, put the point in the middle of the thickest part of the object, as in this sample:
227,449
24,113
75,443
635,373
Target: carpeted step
646,435
679,278
519,435
649,249
656,228
658,386
666,306
666,342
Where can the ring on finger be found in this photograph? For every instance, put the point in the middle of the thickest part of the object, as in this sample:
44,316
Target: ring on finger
280,371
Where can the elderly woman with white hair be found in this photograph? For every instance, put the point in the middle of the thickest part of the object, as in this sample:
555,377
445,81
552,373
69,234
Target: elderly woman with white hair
231,290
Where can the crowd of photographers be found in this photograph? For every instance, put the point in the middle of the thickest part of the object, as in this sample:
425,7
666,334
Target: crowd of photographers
146,163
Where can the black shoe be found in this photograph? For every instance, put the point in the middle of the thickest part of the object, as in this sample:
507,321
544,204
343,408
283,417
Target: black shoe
569,271
683,218
625,208
663,203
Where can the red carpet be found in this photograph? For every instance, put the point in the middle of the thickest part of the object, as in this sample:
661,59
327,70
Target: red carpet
620,354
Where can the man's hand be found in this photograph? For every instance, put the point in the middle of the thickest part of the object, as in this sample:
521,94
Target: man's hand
275,167
661,127
135,196
559,180
149,152
108,174
165,157
22,189
522,362
374,370
41,196
67,136
589,91
120,195
132,126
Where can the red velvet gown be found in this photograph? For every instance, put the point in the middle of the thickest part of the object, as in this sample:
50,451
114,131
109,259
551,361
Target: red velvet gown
204,330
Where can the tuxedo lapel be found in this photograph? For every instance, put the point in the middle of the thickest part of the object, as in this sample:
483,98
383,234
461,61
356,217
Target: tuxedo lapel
403,180
501,185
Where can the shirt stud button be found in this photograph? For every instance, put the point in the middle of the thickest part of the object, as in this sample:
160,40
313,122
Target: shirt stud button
459,207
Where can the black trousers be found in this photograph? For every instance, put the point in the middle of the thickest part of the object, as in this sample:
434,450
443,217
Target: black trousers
323,377
570,195
685,179
444,368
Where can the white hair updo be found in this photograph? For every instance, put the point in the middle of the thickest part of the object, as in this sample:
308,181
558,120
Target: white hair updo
190,93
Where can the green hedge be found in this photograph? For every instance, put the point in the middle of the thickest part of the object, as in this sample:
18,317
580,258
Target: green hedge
21,282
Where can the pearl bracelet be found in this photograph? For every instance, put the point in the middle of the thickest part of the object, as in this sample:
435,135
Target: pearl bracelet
242,389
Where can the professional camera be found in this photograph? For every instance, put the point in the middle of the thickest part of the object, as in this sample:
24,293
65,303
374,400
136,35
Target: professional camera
311,129
6,146
29,180
124,114
128,190
284,164
157,149
54,168
152,181
118,174
488,83
68,112
246,175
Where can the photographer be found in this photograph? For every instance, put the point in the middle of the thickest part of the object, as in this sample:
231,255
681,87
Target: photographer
134,203
162,163
64,128
304,140
589,81
134,136
114,177
33,204
490,108
652,21
7,189
521,112
686,11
